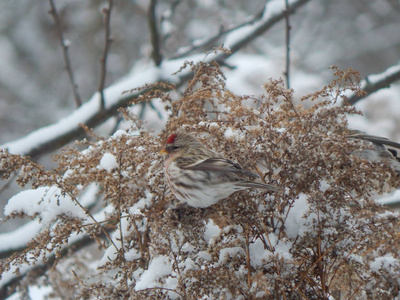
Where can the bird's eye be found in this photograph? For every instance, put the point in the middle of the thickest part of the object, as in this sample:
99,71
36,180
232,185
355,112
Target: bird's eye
176,147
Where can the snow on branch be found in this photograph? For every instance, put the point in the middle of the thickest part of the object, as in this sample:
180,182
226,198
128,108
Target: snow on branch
274,12
239,35
209,41
52,137
374,83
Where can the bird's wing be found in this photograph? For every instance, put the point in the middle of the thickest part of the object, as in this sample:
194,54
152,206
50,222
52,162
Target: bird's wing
374,139
218,164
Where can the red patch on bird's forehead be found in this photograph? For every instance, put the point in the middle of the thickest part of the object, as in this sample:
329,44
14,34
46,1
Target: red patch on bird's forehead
171,138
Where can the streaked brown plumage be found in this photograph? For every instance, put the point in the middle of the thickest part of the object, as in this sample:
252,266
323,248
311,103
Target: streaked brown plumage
201,177
383,149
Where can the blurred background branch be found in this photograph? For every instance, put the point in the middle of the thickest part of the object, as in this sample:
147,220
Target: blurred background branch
107,44
64,46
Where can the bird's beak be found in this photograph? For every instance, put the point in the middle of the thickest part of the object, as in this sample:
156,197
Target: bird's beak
163,151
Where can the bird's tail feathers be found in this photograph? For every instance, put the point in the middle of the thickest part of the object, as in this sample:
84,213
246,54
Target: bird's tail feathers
258,185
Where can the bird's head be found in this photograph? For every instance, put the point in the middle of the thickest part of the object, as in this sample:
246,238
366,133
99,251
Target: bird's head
178,143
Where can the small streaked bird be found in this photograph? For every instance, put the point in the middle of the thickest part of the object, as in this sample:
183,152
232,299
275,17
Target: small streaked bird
383,149
201,177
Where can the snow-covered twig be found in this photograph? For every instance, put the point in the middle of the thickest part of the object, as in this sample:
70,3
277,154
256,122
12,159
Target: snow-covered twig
375,82
48,139
274,13
209,41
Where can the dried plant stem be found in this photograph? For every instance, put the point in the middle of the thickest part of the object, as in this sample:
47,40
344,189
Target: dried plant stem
9,181
65,46
166,289
87,212
248,263
320,257
121,235
176,262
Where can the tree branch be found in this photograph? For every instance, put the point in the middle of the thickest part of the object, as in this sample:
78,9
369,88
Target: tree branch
154,33
65,45
107,44
209,42
41,268
287,40
374,83
265,24
47,141
51,138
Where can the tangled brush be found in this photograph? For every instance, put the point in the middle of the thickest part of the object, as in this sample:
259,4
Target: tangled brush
321,235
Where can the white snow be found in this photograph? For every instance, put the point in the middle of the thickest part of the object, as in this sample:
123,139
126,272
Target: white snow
384,262
39,292
119,133
89,196
211,230
20,236
204,255
324,186
158,267
381,76
48,202
132,255
108,162
390,198
295,220
35,292
257,253
233,135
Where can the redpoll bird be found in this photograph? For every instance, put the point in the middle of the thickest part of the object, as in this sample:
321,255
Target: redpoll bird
383,149
201,177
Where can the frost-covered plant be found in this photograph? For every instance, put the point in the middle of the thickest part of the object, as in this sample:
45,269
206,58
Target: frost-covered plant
321,236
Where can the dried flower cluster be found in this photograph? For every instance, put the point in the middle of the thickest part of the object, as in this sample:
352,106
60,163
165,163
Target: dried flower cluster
321,236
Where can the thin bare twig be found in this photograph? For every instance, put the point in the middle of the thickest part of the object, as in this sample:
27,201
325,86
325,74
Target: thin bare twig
107,44
287,39
122,250
209,41
248,260
264,25
154,33
87,212
65,45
